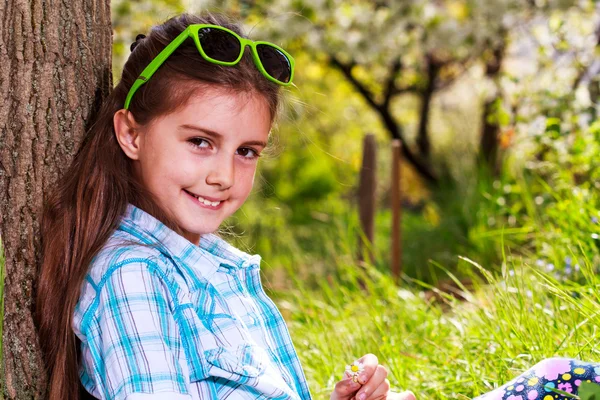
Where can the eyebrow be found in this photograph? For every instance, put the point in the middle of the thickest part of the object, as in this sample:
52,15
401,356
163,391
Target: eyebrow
219,136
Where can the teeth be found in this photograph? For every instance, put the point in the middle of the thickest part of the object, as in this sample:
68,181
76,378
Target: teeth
207,202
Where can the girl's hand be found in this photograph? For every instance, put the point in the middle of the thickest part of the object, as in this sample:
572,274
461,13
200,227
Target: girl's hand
372,384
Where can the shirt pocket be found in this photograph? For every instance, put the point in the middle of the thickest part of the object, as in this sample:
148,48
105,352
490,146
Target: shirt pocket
217,346
218,342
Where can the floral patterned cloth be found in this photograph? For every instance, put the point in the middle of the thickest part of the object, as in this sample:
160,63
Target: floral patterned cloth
536,383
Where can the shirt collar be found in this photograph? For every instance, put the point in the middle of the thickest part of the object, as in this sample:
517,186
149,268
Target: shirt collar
211,253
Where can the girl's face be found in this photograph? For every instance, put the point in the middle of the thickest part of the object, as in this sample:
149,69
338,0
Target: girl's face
200,161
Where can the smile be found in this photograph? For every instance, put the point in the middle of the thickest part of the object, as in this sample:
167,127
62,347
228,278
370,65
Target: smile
205,202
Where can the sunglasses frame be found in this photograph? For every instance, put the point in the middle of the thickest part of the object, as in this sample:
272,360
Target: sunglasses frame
192,30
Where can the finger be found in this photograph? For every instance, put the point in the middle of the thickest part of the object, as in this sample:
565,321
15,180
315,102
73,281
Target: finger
377,379
345,389
381,391
370,363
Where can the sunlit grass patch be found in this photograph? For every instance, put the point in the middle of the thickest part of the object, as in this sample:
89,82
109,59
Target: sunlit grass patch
503,326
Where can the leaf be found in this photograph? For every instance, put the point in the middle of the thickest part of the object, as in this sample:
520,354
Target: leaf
589,391
566,394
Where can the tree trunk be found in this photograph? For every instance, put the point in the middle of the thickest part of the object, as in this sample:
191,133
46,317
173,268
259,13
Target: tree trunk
55,70
490,128
488,145
384,111
433,70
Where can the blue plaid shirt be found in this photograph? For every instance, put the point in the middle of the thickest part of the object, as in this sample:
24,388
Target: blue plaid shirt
162,318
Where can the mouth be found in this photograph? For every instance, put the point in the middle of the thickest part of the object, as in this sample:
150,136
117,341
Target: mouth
205,202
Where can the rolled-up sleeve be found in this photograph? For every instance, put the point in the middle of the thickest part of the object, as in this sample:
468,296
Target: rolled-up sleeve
133,339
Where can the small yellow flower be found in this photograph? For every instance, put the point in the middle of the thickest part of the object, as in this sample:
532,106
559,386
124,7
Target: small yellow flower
354,369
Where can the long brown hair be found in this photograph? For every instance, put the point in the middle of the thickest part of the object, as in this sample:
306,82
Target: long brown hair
84,208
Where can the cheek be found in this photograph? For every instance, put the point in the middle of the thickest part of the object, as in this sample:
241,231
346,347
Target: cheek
161,173
246,178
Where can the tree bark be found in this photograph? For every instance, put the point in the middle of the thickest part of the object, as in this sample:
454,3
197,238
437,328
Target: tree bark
55,71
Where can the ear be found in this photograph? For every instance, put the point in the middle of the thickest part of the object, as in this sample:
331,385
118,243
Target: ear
127,132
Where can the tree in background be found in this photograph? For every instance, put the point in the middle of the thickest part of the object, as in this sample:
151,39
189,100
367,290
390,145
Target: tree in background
388,49
505,67
54,74
402,56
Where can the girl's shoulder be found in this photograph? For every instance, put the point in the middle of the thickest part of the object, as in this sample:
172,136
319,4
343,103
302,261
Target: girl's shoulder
124,265
121,250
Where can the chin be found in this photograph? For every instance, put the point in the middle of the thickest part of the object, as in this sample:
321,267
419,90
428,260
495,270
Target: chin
205,230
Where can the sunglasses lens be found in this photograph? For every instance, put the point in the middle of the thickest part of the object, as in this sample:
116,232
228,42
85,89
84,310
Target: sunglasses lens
219,44
275,62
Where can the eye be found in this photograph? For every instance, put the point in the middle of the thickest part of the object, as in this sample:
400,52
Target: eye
248,153
199,142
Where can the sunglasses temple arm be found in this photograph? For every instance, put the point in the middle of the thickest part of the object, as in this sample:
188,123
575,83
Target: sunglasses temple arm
155,64
136,85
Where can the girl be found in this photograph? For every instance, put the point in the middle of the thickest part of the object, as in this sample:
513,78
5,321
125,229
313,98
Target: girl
137,298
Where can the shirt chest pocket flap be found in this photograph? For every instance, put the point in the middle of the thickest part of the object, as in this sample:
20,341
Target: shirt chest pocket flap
216,346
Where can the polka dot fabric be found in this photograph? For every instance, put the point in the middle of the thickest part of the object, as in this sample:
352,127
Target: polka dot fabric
553,373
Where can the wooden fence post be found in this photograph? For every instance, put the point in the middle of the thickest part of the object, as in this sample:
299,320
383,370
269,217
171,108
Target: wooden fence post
396,211
366,192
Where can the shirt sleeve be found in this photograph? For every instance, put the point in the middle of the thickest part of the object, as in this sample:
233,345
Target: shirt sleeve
134,340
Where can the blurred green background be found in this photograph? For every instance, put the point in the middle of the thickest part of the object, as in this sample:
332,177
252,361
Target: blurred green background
496,101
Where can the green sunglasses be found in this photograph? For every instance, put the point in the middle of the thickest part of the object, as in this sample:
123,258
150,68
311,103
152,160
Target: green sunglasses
222,46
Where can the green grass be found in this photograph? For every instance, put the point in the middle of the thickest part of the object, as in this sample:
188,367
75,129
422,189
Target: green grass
518,312
457,349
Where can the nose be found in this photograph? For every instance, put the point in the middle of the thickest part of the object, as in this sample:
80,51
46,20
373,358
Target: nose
221,173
